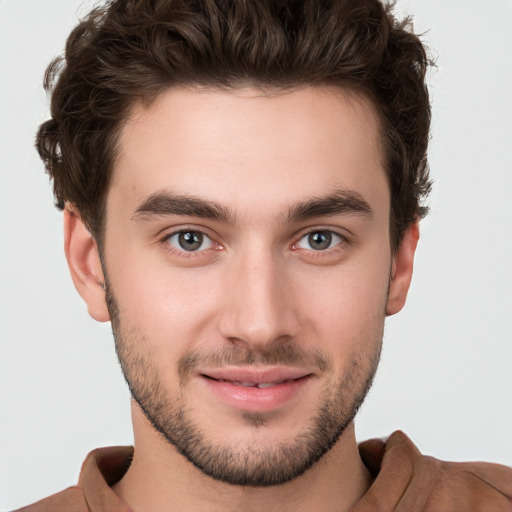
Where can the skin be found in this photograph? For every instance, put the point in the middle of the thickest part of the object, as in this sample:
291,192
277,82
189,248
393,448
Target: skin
258,285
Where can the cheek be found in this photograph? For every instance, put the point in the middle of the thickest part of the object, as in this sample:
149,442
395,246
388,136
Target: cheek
164,305
345,307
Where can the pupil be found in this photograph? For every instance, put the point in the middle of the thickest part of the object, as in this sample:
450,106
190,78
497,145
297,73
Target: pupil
190,240
320,240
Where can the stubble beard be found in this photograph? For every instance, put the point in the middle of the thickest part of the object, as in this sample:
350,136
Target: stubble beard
251,465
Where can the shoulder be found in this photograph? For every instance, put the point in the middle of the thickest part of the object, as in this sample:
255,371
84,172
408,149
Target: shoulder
482,485
408,480
102,468
71,499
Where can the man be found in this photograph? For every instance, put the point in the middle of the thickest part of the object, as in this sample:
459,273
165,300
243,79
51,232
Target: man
242,185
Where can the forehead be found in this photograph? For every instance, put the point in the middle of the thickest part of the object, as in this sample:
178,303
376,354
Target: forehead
234,146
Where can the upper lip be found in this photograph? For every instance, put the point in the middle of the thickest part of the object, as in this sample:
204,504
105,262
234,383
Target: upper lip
255,375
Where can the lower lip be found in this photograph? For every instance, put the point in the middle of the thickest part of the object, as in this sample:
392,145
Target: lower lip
257,399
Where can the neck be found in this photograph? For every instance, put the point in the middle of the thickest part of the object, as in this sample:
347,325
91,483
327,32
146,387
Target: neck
160,478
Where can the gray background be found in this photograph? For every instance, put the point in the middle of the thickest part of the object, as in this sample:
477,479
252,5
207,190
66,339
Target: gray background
445,376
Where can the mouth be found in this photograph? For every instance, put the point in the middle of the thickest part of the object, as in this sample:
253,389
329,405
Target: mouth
257,390
259,385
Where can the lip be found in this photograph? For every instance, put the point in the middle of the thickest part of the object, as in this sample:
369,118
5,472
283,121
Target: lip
238,387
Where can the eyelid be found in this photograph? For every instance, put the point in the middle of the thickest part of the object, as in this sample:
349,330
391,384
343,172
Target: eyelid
334,235
167,234
180,228
339,232
206,240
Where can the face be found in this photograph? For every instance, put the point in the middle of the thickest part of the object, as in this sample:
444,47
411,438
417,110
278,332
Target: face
248,265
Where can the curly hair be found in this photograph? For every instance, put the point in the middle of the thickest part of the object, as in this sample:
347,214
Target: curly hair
132,50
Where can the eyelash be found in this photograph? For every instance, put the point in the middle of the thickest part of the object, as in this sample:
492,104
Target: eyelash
343,243
183,253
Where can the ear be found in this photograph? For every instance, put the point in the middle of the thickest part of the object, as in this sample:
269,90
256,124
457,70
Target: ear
401,270
85,265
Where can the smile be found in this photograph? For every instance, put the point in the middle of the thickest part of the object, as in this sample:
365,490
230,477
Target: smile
259,385
258,391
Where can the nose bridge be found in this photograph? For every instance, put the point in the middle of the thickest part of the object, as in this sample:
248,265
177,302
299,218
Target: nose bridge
259,310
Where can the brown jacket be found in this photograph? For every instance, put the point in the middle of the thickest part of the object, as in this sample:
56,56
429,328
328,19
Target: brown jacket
404,480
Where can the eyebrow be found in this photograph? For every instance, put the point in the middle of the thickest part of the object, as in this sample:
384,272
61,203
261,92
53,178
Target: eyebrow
341,202
162,204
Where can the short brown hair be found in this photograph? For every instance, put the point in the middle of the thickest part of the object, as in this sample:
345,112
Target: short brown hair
131,50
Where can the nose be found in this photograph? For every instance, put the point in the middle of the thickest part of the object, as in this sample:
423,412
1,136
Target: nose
259,303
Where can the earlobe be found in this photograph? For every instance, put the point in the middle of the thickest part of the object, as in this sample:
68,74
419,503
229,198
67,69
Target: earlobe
84,264
401,271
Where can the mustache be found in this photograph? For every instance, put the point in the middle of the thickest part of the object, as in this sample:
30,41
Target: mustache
286,355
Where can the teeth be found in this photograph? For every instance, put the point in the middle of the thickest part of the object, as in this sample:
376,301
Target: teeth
259,385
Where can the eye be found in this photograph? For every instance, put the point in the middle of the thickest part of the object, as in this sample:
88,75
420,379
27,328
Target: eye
189,241
320,240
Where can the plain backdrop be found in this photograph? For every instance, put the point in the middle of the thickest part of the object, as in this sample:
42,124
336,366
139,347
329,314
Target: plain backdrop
445,376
